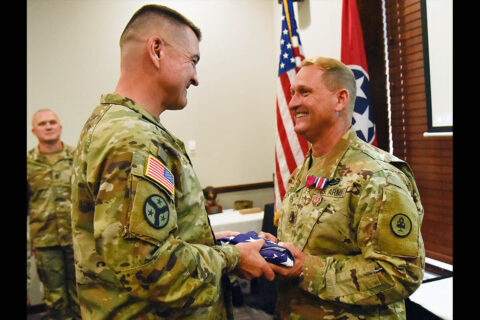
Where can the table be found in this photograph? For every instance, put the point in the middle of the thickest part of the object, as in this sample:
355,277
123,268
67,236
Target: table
233,220
436,296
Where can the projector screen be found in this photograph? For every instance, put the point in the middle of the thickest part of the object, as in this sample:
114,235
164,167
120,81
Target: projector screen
437,16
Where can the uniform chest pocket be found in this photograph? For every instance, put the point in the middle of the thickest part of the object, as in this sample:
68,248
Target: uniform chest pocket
308,215
152,215
62,173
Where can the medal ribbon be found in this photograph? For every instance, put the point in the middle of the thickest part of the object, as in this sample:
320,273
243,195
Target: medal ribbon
316,182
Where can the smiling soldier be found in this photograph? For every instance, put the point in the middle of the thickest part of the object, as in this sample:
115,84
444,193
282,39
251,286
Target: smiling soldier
143,244
351,215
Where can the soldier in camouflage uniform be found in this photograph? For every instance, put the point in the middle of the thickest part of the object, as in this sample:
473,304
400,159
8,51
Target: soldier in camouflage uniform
49,172
143,244
356,241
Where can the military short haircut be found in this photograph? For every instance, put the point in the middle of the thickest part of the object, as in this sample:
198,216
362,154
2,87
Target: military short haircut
336,75
43,110
164,12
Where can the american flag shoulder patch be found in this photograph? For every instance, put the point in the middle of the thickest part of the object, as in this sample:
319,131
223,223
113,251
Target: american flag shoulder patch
155,170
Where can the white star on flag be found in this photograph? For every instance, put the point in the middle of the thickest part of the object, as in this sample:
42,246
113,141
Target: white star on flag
362,123
352,53
360,92
288,263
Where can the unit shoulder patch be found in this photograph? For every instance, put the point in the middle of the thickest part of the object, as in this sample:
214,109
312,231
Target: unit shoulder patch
156,212
401,225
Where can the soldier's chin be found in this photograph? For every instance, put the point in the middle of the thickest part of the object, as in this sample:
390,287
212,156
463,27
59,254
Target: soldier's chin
182,106
299,129
178,105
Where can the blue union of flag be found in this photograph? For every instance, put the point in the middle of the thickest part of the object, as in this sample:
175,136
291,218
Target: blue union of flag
363,118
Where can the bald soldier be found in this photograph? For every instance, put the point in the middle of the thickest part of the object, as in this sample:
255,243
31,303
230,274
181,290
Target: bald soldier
49,173
351,215
143,244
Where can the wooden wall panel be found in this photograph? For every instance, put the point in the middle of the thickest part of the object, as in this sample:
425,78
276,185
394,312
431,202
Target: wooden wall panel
431,158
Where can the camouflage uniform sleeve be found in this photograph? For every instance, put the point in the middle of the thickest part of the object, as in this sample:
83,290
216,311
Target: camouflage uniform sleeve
135,223
389,266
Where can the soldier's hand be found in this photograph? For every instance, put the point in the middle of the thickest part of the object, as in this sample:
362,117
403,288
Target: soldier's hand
268,236
252,264
223,234
296,270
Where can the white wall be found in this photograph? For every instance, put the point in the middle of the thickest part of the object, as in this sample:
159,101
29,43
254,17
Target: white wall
73,57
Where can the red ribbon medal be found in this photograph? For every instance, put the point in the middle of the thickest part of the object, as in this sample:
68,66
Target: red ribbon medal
316,182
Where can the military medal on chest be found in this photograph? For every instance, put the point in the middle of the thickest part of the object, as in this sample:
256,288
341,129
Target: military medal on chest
317,198
316,183
306,197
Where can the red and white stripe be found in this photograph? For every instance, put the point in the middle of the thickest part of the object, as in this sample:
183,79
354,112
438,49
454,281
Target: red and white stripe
290,148
156,170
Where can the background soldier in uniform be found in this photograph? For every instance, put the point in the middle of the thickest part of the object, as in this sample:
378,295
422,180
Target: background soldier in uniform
143,244
49,173
351,215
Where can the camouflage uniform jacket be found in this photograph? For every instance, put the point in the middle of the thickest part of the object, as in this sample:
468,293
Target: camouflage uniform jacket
144,248
50,202
361,234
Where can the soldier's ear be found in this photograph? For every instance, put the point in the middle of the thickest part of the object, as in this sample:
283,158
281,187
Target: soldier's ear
155,46
342,100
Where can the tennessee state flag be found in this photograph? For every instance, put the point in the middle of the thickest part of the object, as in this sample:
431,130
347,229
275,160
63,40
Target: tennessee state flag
353,55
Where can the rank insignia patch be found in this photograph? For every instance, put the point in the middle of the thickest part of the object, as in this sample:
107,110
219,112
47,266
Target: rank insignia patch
401,225
158,172
156,212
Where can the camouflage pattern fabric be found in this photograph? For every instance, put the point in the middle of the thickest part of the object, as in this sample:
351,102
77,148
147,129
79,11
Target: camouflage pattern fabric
29,259
143,244
361,234
50,233
29,255
49,177
56,271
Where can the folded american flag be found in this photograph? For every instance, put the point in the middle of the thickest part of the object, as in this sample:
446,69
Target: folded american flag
271,251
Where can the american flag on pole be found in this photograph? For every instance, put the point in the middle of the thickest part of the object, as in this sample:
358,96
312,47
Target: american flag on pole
353,55
158,172
290,148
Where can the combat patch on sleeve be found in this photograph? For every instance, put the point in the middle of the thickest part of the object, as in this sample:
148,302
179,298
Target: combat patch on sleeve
151,214
401,225
397,231
156,212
